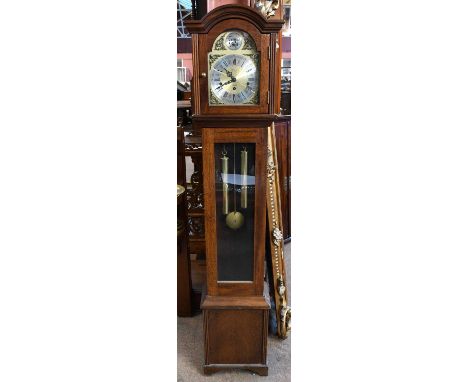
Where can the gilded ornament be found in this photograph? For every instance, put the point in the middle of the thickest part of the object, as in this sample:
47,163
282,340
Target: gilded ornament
277,236
267,7
219,43
285,312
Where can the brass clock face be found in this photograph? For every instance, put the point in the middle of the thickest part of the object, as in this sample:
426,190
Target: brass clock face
234,79
233,70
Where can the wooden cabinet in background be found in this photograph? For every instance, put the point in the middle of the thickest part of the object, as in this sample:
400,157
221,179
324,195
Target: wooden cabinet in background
184,284
195,199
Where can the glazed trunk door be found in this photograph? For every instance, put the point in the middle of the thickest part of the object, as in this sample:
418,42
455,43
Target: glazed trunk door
234,163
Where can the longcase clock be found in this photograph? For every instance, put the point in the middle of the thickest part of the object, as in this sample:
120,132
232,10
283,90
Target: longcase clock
234,58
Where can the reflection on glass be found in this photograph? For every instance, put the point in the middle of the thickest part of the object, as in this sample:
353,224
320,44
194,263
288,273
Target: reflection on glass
235,200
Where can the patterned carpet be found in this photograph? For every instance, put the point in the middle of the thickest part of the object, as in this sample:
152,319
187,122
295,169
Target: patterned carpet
190,350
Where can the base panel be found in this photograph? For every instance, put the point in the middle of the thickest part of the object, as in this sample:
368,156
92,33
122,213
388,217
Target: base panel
236,334
261,370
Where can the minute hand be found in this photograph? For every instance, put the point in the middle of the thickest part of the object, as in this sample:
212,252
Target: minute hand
229,74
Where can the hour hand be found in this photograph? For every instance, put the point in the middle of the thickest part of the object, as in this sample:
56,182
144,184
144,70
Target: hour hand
226,83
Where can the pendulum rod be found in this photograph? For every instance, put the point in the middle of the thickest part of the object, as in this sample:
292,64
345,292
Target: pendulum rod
235,219
224,174
235,180
244,178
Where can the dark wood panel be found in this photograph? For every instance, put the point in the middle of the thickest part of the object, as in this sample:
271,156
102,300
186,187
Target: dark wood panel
235,337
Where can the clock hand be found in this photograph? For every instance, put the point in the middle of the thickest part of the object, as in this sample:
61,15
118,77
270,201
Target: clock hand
228,73
221,85
226,83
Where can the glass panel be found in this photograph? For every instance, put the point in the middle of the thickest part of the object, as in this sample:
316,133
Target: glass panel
235,210
233,74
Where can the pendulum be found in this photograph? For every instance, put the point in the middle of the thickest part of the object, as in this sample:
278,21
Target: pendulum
224,175
235,219
244,178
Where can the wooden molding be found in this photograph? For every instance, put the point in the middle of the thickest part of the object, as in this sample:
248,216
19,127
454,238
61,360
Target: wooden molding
234,11
235,302
245,120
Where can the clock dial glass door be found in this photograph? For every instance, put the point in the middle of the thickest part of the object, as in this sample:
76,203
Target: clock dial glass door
234,79
233,70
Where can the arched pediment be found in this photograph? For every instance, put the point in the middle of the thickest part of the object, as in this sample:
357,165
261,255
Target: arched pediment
233,12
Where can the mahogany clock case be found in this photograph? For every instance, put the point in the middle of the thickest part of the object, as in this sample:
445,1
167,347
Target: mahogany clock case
235,311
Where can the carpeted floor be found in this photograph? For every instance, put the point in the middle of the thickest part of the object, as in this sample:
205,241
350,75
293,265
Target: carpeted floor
190,350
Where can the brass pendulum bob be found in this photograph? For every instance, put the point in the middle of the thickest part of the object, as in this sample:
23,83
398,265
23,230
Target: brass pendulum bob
234,219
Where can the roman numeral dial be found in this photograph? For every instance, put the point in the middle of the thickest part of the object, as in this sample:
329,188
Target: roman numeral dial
234,79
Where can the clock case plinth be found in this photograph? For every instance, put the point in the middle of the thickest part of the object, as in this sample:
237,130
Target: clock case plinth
236,332
235,315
